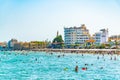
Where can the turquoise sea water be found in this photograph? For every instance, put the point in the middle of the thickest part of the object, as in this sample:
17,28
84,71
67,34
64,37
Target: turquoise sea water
45,66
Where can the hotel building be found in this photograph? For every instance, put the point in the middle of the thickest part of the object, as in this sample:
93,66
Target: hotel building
75,35
101,36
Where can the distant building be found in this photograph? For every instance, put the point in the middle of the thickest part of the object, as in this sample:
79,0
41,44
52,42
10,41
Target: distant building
17,46
101,36
3,45
114,41
22,46
25,45
37,44
11,43
114,38
75,35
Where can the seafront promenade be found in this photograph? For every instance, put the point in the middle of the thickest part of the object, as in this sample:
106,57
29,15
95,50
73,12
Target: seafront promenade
111,51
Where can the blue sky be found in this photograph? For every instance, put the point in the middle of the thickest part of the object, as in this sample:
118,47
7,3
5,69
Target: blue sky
28,20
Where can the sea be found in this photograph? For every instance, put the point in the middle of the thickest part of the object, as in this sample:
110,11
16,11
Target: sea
33,65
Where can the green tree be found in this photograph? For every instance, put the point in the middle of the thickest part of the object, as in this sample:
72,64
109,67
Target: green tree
116,43
58,42
77,45
102,46
58,39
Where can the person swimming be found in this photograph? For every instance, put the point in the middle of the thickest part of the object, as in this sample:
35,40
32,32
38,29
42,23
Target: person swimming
91,64
58,56
51,53
35,59
84,68
98,57
76,69
65,69
111,58
86,64
114,58
82,54
101,67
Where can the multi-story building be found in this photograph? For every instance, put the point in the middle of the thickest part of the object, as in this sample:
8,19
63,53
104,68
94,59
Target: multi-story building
11,43
37,44
101,36
17,46
114,38
25,45
3,45
75,35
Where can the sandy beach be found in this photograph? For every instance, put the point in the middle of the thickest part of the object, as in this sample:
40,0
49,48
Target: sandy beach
110,51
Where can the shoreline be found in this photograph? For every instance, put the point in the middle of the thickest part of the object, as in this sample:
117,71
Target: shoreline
83,51
111,51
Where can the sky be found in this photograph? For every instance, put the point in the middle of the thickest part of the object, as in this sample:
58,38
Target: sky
29,20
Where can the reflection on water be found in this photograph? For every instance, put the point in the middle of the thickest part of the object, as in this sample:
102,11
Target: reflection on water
58,66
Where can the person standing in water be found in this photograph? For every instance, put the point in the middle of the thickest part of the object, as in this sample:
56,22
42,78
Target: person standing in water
98,57
114,58
76,68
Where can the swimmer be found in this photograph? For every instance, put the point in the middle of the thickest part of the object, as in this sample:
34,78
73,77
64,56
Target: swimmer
111,58
58,56
65,69
82,54
86,64
103,54
114,58
35,59
91,64
84,68
101,67
76,69
98,57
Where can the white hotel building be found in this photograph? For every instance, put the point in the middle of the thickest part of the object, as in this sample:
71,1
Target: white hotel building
74,35
101,36
79,35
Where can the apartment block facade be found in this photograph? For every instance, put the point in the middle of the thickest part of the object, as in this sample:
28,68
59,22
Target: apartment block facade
80,35
101,36
75,35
